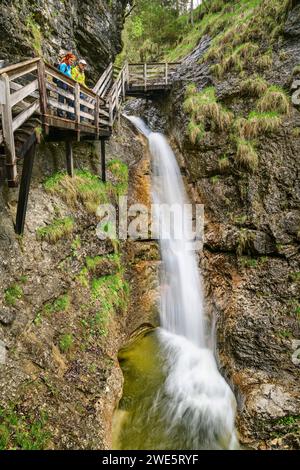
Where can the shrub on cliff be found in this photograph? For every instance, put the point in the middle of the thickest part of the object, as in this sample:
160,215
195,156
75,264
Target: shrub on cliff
253,86
275,99
246,155
205,112
257,124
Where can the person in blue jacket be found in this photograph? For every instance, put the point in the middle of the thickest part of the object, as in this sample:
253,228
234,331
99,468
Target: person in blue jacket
65,67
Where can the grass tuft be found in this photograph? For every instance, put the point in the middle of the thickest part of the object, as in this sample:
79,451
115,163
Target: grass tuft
275,99
253,86
66,342
22,432
13,294
223,164
205,112
257,124
59,228
246,155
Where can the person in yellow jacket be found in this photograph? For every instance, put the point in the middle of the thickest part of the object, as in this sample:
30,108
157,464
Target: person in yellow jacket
78,72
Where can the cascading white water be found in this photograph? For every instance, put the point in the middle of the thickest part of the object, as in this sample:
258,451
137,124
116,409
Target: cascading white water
198,398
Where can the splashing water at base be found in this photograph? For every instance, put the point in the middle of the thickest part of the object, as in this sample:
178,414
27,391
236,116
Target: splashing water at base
184,402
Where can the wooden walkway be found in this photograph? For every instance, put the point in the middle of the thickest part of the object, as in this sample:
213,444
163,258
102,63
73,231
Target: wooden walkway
36,99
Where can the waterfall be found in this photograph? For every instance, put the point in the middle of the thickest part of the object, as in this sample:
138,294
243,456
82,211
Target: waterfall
197,398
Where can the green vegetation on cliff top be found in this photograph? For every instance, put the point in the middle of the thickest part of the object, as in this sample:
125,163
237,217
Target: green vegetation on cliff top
157,30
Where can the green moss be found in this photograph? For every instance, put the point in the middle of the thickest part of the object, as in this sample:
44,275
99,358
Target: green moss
93,263
66,342
99,323
18,431
36,35
286,334
119,171
215,179
13,294
112,291
83,277
58,229
288,420
60,305
248,262
75,246
23,279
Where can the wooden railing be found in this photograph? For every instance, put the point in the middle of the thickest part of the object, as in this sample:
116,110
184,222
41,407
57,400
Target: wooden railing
151,75
104,83
18,102
36,87
118,92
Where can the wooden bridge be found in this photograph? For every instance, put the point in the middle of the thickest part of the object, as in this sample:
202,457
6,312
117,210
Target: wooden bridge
36,99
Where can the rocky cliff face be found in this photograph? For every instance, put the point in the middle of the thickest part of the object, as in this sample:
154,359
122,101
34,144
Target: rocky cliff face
251,258
59,374
91,29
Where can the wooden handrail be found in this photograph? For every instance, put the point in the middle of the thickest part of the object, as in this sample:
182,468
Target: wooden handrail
14,67
95,110
153,63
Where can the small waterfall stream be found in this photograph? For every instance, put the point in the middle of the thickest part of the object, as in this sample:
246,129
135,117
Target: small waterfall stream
183,401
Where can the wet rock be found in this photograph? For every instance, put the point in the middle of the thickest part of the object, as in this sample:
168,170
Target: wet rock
91,29
292,26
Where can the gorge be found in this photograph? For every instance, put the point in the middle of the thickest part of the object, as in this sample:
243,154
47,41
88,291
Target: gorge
73,309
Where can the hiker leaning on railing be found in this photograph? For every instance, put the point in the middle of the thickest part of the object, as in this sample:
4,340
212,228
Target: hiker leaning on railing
65,67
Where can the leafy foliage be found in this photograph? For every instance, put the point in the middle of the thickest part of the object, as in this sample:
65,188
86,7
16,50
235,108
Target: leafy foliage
18,431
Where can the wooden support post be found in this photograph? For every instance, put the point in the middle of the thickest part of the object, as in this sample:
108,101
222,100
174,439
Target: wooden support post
166,73
127,78
8,134
123,85
103,166
77,109
43,92
111,115
145,77
24,189
69,158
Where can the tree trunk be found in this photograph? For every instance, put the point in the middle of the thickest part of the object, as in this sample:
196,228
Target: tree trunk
192,13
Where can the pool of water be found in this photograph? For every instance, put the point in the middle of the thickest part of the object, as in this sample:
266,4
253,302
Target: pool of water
150,415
